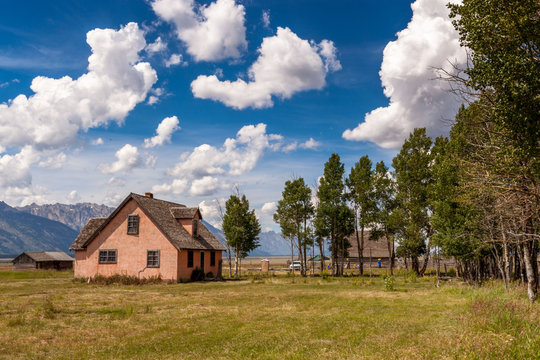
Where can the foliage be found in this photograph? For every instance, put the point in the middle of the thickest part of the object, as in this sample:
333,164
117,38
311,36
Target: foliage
197,274
241,227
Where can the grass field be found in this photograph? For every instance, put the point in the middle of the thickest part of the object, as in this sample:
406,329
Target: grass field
47,315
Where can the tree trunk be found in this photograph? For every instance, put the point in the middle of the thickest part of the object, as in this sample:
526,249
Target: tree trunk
292,256
391,254
361,249
302,269
321,252
529,256
426,258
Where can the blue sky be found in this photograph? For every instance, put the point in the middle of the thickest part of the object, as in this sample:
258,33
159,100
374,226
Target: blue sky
288,83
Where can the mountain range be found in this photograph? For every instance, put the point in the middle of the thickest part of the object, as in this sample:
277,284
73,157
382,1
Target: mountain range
55,226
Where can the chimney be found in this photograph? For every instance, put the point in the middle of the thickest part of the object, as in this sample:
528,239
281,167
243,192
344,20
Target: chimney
149,195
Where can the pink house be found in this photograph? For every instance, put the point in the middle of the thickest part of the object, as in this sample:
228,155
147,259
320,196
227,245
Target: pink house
147,237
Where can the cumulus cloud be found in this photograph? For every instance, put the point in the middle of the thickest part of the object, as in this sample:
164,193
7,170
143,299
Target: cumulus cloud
53,162
175,59
285,66
210,33
207,185
115,83
157,46
178,186
128,157
210,210
164,132
310,144
269,208
116,181
407,72
98,141
15,169
207,166
73,196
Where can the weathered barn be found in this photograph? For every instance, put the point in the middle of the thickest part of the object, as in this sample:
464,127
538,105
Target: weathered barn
147,237
373,250
56,260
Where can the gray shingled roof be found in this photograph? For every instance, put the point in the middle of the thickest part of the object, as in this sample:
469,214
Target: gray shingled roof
48,256
87,232
184,212
160,212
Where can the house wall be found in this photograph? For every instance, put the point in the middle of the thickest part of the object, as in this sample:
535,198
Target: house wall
188,224
131,249
185,273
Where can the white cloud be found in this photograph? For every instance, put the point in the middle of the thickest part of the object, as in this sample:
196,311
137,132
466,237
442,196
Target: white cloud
116,181
211,33
164,132
150,161
178,186
206,186
290,147
25,195
53,162
209,167
73,196
310,144
115,83
285,66
175,59
98,141
269,208
15,169
152,99
407,75
2,149
266,18
210,211
157,46
127,158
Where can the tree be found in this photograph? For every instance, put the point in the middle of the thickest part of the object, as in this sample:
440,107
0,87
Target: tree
388,218
293,213
241,228
361,194
335,220
413,178
503,125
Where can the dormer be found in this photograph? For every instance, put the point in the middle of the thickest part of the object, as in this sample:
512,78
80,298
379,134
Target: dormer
188,217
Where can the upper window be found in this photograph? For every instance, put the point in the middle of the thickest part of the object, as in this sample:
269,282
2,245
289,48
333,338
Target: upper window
190,258
133,224
152,258
107,256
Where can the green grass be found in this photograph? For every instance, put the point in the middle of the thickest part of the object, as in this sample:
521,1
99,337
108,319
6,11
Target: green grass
44,316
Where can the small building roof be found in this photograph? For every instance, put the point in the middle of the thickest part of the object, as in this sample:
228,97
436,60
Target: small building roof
379,248
185,212
87,232
41,256
161,213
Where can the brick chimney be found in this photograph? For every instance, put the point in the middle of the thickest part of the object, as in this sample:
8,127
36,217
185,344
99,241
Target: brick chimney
149,195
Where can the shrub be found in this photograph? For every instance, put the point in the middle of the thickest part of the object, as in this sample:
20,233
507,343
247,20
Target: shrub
123,280
389,282
197,274
209,275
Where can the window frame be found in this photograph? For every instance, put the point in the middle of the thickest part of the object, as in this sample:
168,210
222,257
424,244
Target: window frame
190,258
212,258
195,227
155,262
105,256
133,224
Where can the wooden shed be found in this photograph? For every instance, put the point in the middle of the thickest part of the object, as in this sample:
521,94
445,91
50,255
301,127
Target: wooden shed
56,260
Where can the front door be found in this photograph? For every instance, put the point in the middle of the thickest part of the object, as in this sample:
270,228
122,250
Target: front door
202,260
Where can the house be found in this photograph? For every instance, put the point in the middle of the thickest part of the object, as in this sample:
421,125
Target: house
147,237
373,249
56,260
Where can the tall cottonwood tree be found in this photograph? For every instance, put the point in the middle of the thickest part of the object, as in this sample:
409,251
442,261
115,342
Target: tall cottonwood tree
293,214
413,177
241,228
362,196
335,220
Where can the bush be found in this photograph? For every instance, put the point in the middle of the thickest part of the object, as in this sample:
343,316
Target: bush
123,280
197,274
209,275
389,282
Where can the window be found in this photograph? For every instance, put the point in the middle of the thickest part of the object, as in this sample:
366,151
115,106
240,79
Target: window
133,224
107,256
213,258
195,226
190,258
152,258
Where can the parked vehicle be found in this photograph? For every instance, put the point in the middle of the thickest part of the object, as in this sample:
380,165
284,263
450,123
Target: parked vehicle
296,265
